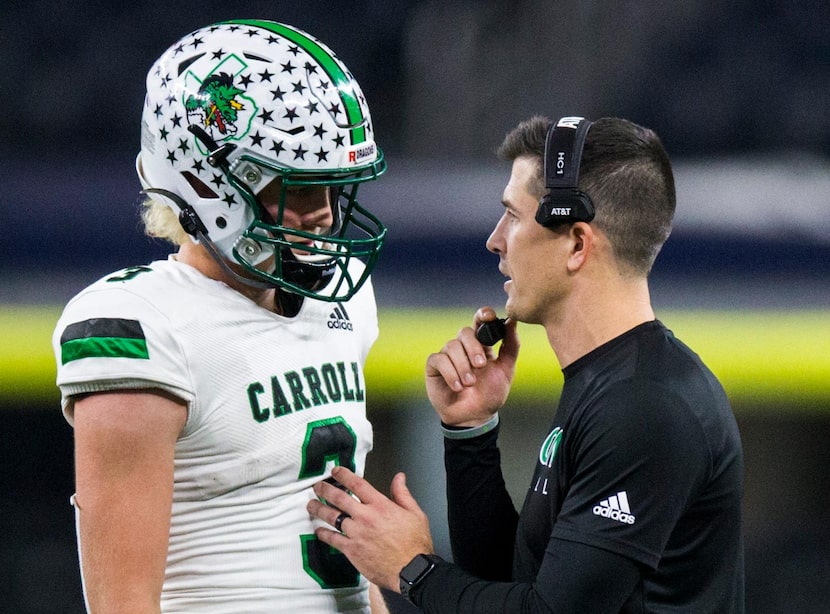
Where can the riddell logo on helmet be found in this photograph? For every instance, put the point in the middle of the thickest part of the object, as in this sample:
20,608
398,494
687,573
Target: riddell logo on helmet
360,153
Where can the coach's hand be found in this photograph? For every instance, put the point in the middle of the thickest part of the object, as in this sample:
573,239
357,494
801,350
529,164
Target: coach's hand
467,382
379,535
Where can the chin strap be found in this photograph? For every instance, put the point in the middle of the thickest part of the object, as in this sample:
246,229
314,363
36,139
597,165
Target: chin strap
286,303
193,225
210,246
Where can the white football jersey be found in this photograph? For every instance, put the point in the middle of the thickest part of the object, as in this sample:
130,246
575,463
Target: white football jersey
273,404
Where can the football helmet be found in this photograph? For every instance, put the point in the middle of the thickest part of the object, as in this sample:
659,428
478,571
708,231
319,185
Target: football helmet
234,106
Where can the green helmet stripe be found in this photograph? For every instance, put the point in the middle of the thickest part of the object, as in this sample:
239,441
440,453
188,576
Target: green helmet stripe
329,64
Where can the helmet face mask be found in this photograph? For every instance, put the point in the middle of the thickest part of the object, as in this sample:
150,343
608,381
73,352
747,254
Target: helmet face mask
306,262
232,108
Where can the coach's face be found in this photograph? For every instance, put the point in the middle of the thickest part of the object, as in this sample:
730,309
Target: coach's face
531,256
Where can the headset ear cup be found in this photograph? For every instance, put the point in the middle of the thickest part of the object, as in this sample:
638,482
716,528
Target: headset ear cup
564,207
584,207
543,212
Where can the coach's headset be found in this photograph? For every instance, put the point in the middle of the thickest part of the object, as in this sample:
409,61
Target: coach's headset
564,203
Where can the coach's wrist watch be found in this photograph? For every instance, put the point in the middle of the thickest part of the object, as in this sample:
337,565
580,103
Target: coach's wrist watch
415,572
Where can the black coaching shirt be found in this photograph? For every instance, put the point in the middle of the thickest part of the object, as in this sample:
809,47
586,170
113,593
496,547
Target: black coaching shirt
643,460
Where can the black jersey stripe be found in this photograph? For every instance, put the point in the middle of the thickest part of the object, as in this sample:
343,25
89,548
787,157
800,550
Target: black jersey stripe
103,327
103,338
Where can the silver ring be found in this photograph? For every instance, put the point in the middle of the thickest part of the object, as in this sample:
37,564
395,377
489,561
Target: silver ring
338,522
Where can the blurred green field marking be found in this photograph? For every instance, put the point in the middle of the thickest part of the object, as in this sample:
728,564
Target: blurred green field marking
761,357
771,358
27,367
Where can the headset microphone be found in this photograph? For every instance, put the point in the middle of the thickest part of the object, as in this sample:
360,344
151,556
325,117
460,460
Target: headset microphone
564,203
490,333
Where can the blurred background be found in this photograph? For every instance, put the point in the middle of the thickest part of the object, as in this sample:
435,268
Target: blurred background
738,91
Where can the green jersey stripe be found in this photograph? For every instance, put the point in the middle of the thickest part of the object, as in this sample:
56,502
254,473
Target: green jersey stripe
103,347
335,72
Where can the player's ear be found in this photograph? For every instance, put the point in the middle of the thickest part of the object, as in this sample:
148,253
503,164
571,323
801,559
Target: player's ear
581,236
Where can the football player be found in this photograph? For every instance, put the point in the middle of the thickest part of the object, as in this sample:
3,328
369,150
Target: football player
209,391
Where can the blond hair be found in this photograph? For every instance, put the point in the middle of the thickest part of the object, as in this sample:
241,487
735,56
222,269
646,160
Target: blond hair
161,222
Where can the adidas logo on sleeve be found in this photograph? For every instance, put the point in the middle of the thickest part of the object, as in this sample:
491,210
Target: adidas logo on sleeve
616,508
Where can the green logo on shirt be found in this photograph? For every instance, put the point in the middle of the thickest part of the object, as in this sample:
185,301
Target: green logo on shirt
549,446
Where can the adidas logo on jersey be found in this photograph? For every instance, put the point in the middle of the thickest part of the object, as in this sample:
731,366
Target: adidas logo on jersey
615,508
339,319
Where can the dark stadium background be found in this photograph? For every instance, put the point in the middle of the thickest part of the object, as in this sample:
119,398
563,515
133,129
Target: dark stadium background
738,91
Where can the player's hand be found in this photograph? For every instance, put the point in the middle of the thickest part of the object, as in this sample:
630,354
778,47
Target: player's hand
380,535
468,382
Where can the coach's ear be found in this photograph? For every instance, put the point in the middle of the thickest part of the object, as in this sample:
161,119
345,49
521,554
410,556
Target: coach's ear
581,237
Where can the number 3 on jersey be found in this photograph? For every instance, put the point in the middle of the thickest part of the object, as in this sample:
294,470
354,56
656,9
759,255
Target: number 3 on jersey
326,441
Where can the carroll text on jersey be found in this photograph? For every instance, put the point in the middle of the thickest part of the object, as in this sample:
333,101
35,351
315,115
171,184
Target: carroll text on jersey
308,387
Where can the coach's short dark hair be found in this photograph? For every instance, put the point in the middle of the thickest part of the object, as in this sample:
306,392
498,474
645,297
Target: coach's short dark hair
626,171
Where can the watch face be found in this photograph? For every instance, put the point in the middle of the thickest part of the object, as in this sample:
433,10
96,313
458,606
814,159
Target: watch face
414,573
416,568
